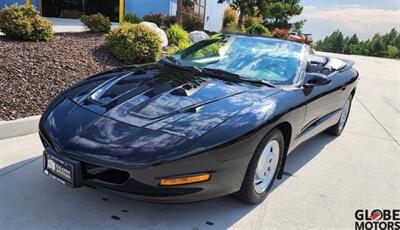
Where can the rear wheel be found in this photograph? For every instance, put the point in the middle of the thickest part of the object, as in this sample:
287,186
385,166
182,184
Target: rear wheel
263,168
337,129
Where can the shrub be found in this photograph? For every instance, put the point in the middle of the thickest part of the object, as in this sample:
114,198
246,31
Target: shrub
22,22
161,20
154,18
230,17
132,18
233,29
175,49
191,24
96,23
167,21
250,21
134,43
391,51
280,33
176,35
258,29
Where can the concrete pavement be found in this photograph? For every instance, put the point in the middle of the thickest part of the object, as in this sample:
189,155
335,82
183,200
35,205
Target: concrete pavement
14,151
327,179
65,25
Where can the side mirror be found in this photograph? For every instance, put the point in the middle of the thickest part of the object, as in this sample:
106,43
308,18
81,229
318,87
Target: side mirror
315,79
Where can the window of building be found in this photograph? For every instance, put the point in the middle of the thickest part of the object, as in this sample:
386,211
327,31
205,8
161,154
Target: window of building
193,9
77,8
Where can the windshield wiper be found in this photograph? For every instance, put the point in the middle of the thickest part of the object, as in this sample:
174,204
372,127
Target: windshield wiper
172,62
236,77
261,82
171,59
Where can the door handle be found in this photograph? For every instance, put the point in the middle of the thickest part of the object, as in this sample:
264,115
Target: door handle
343,88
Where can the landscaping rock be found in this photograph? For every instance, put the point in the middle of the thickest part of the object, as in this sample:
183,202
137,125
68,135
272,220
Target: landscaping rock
32,73
159,31
197,36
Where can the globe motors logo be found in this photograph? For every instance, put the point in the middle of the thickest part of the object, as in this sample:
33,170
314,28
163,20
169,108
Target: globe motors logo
377,219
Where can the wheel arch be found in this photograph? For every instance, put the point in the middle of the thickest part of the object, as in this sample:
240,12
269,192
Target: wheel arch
286,129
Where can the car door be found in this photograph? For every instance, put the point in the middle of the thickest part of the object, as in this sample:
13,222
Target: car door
323,105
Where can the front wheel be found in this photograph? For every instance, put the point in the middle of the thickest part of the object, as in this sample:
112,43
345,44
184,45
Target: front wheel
263,168
337,129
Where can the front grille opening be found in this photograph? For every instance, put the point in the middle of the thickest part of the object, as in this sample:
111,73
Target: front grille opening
104,174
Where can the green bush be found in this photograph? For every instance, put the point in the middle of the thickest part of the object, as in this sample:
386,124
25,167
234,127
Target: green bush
258,29
250,21
97,23
168,21
161,20
191,24
154,18
175,49
132,18
134,43
391,51
176,35
22,22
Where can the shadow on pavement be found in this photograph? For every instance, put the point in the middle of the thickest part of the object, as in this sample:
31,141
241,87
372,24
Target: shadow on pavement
32,200
303,154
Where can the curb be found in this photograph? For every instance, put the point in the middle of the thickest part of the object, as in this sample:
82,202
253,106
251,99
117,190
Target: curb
19,127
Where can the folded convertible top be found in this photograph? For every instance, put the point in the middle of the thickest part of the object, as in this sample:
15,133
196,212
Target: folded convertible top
331,62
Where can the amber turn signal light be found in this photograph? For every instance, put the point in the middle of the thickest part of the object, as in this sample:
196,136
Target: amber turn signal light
185,180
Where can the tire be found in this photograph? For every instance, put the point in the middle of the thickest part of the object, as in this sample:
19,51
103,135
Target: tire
338,128
252,191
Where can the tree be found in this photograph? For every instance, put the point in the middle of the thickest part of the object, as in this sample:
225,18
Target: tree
298,26
387,45
276,13
389,38
362,48
245,8
350,44
396,41
323,45
353,40
319,45
377,47
391,51
348,48
336,41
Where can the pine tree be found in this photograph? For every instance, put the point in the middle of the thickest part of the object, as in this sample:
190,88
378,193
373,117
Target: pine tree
377,46
277,13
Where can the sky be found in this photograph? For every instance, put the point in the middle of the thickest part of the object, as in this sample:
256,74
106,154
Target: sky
365,18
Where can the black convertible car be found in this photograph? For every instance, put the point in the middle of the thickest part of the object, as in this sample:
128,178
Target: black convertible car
217,118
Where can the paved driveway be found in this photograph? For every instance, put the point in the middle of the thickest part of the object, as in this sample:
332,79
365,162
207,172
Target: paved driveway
327,179
64,25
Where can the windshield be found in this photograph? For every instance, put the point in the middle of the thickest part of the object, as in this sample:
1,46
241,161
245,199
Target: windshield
256,58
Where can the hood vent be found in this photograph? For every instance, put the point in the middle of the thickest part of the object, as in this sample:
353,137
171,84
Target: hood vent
115,88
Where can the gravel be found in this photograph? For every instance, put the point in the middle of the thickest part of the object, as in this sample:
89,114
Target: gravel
32,73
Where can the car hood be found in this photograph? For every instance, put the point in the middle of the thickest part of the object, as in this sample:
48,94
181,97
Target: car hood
166,99
138,117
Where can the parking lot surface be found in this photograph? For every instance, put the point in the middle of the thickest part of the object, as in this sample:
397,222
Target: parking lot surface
327,179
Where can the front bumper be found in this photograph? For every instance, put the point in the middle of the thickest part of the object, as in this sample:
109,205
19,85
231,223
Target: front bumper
143,183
